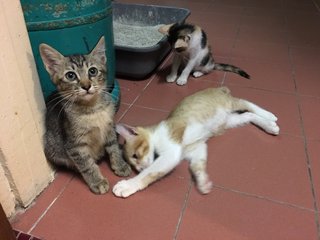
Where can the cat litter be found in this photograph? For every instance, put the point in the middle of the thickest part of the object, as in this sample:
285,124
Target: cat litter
136,36
139,47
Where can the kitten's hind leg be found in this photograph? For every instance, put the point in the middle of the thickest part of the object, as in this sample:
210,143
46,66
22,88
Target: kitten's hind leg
197,156
240,119
251,107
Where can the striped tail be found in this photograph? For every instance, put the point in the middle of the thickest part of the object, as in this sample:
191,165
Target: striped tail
230,68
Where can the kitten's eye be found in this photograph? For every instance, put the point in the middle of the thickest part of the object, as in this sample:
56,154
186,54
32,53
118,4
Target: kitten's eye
135,156
93,72
71,76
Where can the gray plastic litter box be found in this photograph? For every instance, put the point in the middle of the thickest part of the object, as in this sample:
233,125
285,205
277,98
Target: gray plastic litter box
140,62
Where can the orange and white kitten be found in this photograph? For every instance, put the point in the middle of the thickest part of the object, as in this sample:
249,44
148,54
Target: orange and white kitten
156,150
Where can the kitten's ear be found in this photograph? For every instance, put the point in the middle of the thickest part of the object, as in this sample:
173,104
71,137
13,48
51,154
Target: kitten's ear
51,58
126,131
99,51
165,29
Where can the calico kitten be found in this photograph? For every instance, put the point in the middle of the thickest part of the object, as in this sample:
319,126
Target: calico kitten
79,117
156,150
192,52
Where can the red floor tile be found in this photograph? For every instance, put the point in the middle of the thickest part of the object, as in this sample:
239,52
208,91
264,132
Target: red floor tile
238,3
153,98
271,4
263,12
218,32
149,214
261,52
270,76
24,220
262,35
262,165
275,22
311,116
141,116
123,108
227,215
216,18
302,21
307,80
131,89
305,56
309,37
314,153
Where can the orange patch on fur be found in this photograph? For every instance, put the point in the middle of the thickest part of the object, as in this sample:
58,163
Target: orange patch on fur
152,177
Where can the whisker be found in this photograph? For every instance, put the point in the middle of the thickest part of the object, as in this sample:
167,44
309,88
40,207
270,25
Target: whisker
62,99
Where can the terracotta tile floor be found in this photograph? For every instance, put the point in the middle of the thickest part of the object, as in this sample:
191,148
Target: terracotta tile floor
265,187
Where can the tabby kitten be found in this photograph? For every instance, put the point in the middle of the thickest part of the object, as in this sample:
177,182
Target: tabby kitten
79,117
156,150
192,52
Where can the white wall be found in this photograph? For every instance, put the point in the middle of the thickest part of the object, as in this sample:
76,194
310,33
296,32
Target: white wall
24,171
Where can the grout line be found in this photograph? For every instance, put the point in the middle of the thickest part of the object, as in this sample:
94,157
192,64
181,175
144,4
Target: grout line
308,165
304,138
49,207
145,87
265,198
136,99
184,206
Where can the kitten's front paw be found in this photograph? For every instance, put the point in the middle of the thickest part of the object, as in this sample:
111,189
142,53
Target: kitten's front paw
121,168
125,188
171,78
100,188
197,74
182,81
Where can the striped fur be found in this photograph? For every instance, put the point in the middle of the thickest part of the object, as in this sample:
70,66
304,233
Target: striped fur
79,117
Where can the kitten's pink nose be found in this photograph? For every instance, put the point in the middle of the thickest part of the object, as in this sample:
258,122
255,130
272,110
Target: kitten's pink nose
86,85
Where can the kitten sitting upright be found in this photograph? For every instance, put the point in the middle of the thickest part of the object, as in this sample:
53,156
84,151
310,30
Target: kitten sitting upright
192,52
156,150
79,117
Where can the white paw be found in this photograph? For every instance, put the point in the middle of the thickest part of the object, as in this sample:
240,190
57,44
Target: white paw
197,74
205,187
268,115
125,188
171,78
182,81
273,128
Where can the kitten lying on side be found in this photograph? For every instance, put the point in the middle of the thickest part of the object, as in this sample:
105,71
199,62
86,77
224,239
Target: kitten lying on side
156,150
79,117
192,52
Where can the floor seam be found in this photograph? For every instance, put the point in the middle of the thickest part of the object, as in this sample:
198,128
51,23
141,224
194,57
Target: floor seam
184,206
266,199
49,206
304,138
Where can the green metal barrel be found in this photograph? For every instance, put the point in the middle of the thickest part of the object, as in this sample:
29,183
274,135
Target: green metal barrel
71,27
